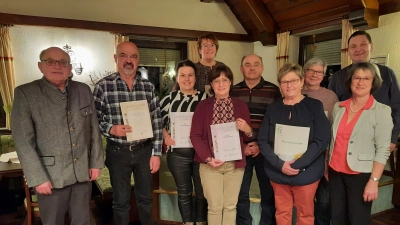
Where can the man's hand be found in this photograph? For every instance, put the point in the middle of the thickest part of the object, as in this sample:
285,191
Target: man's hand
154,164
120,130
94,173
392,147
45,188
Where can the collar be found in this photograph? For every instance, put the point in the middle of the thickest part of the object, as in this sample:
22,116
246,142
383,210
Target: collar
367,106
223,100
50,85
258,86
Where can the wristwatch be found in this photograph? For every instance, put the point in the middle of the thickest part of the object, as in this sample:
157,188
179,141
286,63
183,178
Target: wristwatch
374,179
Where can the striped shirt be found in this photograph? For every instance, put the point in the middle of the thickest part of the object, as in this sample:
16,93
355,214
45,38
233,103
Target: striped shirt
112,90
176,101
257,99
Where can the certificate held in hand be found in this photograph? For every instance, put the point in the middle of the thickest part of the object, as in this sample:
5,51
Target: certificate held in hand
290,141
226,141
136,114
181,123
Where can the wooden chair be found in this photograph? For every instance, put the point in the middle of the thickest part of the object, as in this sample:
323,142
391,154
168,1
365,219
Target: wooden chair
31,205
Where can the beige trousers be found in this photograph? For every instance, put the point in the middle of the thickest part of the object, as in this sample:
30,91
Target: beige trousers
221,188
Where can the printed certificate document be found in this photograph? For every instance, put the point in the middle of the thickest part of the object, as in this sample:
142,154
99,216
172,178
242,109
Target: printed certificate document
226,141
290,141
136,114
181,122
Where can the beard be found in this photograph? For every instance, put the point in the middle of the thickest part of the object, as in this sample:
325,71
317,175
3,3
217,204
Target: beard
129,71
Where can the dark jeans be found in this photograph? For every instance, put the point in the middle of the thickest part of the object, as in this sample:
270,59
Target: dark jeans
346,191
243,216
184,170
322,205
121,163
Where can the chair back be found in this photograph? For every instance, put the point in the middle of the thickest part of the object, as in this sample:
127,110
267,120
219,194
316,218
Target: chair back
31,204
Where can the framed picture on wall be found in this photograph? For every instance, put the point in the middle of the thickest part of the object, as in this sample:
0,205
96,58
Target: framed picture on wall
380,59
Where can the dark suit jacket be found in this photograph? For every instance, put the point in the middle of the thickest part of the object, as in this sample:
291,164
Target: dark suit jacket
200,134
57,137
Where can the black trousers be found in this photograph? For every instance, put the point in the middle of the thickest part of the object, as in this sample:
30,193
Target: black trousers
185,170
346,191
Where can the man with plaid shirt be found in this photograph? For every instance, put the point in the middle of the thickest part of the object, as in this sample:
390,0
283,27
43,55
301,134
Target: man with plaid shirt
141,157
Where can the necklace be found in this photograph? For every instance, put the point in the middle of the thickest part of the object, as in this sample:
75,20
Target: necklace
352,109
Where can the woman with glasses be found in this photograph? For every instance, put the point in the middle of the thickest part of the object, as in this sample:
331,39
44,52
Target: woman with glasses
221,180
359,148
180,160
314,71
294,178
207,46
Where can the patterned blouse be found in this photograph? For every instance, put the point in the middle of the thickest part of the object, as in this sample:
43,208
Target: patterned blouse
223,111
176,101
202,73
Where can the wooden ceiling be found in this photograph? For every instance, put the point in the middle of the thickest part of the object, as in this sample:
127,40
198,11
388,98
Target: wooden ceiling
262,19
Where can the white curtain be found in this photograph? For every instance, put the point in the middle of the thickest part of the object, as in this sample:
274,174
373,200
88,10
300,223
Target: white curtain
282,54
347,31
193,53
7,74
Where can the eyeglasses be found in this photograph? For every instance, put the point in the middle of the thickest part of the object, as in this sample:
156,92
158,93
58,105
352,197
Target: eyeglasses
318,72
358,79
221,81
51,62
208,46
292,82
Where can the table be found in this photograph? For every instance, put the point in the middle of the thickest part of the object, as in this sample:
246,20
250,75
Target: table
10,169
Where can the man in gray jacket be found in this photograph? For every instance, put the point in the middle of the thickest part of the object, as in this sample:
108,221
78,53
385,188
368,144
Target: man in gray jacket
56,133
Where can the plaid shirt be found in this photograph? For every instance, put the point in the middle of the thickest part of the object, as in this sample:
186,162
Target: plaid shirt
112,90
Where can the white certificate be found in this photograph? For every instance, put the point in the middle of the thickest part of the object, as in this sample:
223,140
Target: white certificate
226,141
290,141
181,122
136,114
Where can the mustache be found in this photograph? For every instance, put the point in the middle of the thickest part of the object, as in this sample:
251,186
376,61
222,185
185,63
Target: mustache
128,63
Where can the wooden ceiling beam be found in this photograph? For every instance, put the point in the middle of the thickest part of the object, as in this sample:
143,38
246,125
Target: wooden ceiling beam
117,28
367,17
260,16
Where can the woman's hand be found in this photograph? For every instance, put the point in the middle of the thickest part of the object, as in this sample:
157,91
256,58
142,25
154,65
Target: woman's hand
242,125
288,170
215,163
168,140
371,191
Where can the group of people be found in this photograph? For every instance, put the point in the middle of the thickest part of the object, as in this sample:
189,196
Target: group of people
57,126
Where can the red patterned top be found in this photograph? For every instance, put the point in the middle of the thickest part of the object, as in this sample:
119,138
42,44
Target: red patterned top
223,111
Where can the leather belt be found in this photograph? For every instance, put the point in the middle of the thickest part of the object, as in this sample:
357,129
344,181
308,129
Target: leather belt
128,146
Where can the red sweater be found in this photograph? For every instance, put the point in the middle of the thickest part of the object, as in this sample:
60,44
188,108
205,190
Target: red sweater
200,133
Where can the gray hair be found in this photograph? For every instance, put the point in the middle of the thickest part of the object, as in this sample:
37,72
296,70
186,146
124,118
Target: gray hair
314,62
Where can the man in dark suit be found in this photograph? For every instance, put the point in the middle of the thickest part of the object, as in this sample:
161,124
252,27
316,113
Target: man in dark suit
55,130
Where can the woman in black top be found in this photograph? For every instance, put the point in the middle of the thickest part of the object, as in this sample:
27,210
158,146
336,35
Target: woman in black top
180,160
294,177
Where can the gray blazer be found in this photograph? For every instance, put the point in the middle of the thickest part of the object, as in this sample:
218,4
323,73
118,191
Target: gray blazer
370,139
57,137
